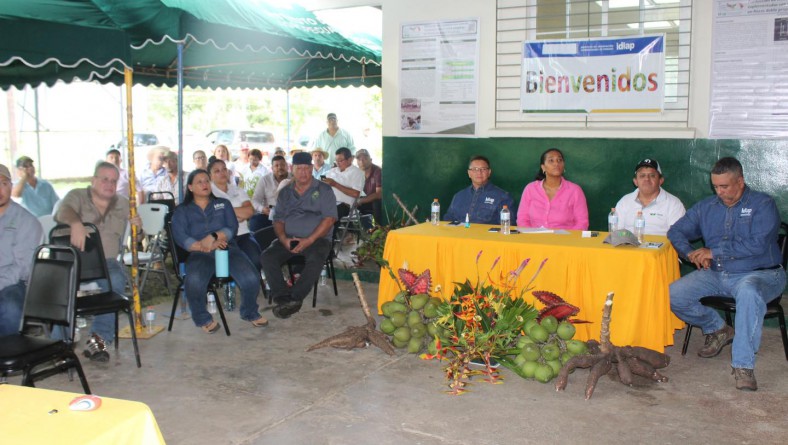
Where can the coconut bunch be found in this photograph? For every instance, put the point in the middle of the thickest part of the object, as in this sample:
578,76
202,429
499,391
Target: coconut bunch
407,319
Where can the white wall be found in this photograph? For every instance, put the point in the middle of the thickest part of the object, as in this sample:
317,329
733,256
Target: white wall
396,12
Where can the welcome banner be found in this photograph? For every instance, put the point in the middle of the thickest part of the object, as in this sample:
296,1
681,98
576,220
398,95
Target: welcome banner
604,75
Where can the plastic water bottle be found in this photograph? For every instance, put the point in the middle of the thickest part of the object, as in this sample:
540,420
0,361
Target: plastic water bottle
323,276
467,220
506,220
229,296
211,303
150,316
640,226
612,220
435,212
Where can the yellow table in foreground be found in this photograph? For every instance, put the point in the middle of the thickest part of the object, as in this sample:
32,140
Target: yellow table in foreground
580,270
34,415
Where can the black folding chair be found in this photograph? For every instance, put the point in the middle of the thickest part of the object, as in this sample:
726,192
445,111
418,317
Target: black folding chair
179,257
50,299
93,267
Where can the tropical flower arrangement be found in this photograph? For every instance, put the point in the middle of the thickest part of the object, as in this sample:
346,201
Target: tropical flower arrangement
481,323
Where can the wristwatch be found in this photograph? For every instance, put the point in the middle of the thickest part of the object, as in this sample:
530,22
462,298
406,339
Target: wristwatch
215,236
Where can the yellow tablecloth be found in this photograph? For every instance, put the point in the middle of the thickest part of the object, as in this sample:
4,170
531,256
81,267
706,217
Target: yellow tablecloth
34,415
581,270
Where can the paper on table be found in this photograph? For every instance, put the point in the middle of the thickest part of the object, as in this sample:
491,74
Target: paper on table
534,230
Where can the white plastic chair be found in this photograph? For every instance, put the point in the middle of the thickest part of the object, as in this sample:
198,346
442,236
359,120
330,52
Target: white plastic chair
152,216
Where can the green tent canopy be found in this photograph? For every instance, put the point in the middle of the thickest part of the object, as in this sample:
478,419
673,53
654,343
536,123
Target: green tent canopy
227,44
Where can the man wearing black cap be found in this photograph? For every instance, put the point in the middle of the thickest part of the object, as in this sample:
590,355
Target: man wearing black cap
660,208
304,215
38,196
333,138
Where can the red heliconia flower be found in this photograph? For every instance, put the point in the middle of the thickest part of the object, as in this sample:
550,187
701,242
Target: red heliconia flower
416,284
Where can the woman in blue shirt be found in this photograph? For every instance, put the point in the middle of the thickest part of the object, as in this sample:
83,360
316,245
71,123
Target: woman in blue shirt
200,225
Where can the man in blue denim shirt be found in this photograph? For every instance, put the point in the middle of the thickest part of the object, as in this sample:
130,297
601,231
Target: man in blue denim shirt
481,201
741,259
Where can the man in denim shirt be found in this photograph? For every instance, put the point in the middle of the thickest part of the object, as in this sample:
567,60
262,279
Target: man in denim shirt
481,201
741,259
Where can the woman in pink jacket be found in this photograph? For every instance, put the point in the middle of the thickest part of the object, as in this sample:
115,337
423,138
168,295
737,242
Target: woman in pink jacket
551,201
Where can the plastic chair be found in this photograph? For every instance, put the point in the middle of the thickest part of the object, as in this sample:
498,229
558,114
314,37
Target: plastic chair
179,257
50,298
166,198
728,305
93,267
152,216
351,223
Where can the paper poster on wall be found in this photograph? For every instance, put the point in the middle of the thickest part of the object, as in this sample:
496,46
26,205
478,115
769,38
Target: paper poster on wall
438,77
599,75
749,72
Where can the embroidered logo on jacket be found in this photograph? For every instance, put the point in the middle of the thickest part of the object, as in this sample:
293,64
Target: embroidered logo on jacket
745,212
218,206
489,200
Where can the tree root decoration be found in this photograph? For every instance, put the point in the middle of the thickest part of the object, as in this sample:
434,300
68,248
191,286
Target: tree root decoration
358,336
628,360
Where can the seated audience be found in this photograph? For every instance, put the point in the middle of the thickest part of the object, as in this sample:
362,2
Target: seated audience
170,182
153,172
222,187
114,157
371,202
255,167
200,160
347,180
551,201
265,193
20,234
482,201
202,224
303,219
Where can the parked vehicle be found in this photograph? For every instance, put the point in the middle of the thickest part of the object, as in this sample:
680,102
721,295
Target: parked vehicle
235,140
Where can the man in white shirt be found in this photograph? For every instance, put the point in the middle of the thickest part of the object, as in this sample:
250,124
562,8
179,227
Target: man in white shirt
333,138
660,208
347,180
266,191
114,157
169,183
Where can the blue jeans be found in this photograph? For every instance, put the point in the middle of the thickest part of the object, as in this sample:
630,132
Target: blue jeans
200,268
752,291
276,255
12,301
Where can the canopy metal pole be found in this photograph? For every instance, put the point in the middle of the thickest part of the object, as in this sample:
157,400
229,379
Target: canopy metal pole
38,134
132,202
287,92
180,121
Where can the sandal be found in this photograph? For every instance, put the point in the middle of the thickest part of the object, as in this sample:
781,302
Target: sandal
211,327
260,322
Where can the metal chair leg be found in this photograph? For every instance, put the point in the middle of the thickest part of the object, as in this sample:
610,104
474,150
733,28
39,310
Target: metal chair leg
687,339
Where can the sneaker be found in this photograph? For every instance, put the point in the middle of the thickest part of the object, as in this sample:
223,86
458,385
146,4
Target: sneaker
96,349
716,341
287,309
745,379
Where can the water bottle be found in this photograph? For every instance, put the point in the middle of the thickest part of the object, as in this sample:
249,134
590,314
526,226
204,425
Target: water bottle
467,220
435,212
150,315
640,226
506,220
229,296
612,220
211,303
323,276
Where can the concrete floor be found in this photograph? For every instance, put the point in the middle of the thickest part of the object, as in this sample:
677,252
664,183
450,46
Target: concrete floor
259,386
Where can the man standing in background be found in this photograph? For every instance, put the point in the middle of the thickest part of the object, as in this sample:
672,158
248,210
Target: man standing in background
38,196
333,138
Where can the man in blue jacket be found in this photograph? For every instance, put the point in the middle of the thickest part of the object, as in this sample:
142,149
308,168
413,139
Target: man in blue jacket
481,201
741,259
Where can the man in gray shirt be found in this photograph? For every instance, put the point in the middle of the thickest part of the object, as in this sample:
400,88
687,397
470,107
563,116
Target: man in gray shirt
303,219
20,233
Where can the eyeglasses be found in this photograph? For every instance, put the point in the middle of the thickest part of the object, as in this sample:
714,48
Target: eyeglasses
479,169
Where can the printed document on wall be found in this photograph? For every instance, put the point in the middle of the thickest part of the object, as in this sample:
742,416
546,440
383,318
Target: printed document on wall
438,77
749,89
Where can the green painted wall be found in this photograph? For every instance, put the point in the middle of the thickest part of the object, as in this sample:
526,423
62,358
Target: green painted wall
420,169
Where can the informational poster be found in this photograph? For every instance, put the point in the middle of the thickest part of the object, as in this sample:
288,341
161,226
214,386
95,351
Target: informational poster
749,80
439,72
596,75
